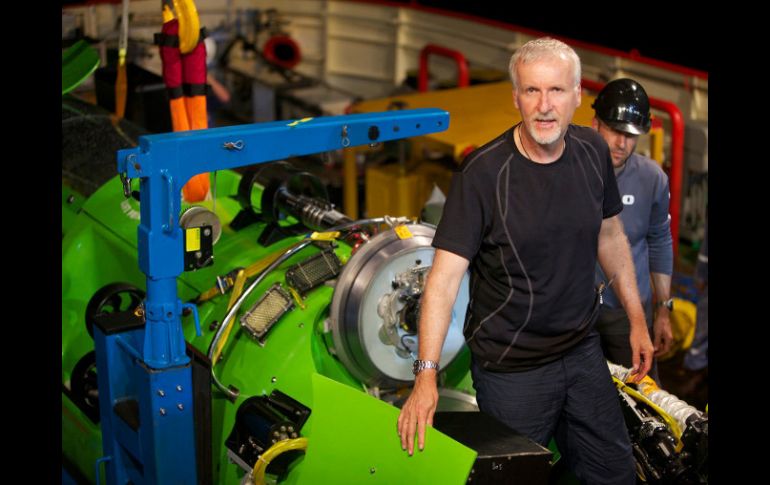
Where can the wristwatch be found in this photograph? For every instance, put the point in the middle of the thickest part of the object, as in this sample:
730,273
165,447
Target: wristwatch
666,303
420,365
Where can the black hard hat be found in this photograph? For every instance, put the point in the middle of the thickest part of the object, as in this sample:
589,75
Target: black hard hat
624,106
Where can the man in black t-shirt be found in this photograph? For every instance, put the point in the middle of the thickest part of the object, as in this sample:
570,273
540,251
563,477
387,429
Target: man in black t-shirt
530,213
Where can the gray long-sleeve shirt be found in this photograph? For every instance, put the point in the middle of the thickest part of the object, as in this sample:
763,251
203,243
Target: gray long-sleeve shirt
644,190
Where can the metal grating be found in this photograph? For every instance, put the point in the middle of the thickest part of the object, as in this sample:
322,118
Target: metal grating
266,312
312,272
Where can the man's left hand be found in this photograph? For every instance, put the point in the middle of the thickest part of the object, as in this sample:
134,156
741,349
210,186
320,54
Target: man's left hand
662,333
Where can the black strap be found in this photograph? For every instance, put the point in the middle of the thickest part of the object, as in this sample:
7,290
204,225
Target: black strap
194,89
187,89
174,93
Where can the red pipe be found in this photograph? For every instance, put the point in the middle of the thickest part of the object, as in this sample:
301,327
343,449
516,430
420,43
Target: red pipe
677,156
463,79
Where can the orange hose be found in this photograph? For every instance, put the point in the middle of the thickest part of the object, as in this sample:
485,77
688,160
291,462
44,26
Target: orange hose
121,91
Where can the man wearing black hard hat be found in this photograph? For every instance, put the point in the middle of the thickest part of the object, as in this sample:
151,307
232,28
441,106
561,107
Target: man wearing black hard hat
622,114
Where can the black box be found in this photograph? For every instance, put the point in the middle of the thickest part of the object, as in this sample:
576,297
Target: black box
147,102
504,455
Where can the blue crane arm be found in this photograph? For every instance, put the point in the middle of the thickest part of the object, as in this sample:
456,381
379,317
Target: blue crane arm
165,162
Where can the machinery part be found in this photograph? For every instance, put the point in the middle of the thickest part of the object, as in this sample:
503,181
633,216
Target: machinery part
623,105
271,177
198,248
695,441
260,423
112,298
84,387
282,51
371,300
654,446
503,455
356,239
400,309
198,216
285,192
232,394
274,304
411,284
663,453
274,451
674,407
314,213
308,274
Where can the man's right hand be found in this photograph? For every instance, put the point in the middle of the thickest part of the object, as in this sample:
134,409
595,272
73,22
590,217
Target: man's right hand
418,410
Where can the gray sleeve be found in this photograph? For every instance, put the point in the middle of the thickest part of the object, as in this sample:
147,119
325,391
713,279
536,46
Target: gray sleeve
659,234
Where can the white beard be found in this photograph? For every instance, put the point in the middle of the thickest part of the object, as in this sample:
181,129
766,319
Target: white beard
544,140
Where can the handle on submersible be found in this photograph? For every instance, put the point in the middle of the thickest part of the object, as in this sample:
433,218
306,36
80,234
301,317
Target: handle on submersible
194,310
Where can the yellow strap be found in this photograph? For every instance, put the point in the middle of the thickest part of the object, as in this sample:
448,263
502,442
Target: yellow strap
240,280
325,236
263,263
252,270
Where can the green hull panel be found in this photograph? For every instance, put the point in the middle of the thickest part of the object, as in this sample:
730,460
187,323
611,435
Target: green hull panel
352,439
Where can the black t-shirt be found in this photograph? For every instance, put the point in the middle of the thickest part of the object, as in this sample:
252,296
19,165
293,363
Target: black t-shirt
530,232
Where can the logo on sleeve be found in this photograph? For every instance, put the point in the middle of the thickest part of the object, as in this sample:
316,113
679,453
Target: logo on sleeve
628,199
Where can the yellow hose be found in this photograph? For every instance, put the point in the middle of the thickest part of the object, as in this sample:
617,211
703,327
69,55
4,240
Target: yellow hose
265,458
671,422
